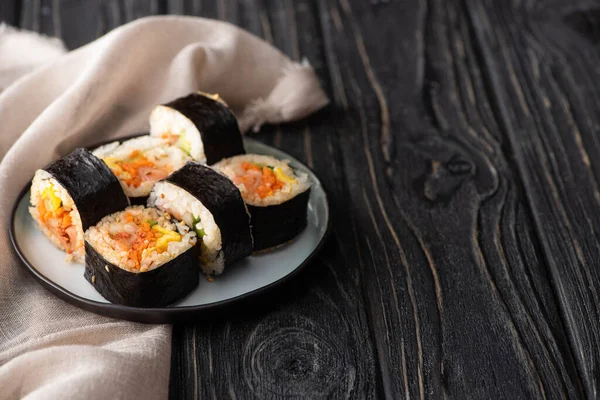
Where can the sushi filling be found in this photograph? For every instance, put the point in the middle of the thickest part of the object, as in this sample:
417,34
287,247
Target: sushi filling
263,180
185,207
56,214
140,239
177,130
139,163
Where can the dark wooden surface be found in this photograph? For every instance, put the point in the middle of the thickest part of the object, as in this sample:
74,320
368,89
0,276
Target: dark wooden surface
462,158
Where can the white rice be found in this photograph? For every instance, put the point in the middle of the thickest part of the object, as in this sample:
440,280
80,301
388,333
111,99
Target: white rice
231,167
182,205
165,121
41,181
100,237
158,151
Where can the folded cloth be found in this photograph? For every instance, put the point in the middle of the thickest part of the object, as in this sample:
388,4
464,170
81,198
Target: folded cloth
48,348
15,62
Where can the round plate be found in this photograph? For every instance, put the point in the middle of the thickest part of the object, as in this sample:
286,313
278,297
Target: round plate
239,282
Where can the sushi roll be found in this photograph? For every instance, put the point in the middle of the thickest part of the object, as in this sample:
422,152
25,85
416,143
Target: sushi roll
200,124
72,194
276,195
141,257
140,162
212,205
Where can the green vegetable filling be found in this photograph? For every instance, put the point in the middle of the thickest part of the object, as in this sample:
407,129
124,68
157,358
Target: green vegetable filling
151,222
261,166
199,231
184,144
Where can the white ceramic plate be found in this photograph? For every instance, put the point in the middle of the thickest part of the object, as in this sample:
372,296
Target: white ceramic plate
239,281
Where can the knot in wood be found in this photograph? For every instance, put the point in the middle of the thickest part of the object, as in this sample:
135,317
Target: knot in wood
293,361
443,179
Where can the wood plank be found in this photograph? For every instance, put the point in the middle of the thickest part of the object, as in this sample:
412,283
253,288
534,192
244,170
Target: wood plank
9,12
114,13
40,16
242,13
79,22
313,339
545,84
292,26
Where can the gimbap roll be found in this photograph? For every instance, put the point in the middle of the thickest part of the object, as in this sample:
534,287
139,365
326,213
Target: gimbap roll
141,257
212,205
70,195
140,162
276,195
200,124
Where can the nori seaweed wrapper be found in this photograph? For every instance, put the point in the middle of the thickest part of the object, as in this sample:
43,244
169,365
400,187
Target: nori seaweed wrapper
277,224
224,201
159,287
216,123
94,188
138,201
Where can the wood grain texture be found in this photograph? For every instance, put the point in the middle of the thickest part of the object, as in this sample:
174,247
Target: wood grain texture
442,204
79,22
552,130
9,12
461,157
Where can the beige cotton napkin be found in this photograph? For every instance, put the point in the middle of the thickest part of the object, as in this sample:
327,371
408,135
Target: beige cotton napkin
48,348
22,51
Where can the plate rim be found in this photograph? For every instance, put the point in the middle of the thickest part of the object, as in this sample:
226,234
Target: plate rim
159,315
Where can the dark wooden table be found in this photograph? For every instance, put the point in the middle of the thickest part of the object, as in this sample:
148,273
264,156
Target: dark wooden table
462,158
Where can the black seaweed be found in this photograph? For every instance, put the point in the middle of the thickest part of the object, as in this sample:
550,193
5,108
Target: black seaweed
217,125
91,184
159,287
278,224
224,200
138,201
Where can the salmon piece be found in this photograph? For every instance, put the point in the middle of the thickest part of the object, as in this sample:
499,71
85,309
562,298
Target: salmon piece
151,174
66,221
71,232
122,235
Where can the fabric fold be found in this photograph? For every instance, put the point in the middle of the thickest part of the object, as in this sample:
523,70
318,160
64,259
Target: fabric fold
15,62
296,95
